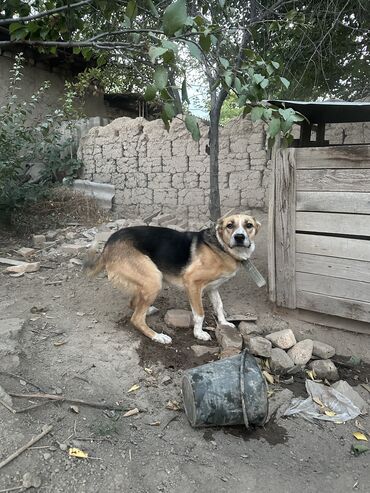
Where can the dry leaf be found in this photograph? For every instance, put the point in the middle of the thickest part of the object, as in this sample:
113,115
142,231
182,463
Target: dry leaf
317,400
268,377
131,412
75,409
311,374
328,412
267,363
76,452
60,343
155,423
173,406
360,436
148,370
134,387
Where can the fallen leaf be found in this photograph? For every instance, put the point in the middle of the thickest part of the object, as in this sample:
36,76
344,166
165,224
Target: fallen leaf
268,377
317,400
60,343
155,423
328,412
76,452
360,436
148,370
358,449
173,406
75,409
131,412
267,363
80,314
311,374
134,388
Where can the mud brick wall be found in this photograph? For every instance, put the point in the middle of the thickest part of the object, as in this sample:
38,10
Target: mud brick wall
154,169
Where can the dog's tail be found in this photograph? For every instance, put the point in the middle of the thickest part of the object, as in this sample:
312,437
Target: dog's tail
94,263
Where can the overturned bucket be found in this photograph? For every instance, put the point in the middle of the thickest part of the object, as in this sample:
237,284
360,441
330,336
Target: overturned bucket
231,391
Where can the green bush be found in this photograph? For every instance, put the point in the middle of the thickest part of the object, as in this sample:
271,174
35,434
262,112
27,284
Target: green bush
25,141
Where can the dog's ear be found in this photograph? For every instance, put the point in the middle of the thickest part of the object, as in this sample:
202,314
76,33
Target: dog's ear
258,225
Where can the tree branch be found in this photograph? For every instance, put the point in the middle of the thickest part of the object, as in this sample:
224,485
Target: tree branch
4,22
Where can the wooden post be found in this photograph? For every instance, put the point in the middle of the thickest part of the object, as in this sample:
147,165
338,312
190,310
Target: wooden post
285,227
271,226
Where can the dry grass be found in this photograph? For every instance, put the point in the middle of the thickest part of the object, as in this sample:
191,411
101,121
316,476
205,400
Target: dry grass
63,207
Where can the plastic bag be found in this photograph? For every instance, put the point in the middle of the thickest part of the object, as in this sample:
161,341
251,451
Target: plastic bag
324,403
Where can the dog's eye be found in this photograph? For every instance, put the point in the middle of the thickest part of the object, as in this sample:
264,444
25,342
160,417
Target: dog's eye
250,225
230,226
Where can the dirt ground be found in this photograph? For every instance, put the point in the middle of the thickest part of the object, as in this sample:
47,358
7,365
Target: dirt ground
77,342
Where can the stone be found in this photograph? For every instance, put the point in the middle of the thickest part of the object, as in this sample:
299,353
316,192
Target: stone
278,404
345,389
166,380
200,351
239,317
26,252
74,248
322,350
259,346
179,318
31,480
283,339
51,235
301,352
5,397
26,267
47,456
229,352
63,446
229,337
103,236
38,241
248,329
324,369
280,361
71,235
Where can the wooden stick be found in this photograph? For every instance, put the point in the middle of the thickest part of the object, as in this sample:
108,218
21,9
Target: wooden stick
61,398
9,374
9,408
13,456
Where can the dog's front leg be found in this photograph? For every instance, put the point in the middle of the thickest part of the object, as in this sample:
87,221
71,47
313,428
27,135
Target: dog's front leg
195,298
218,307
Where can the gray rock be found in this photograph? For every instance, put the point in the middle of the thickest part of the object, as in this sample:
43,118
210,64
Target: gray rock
26,252
31,480
325,369
280,362
63,446
283,339
229,337
248,329
229,352
345,389
301,353
322,350
38,241
179,318
205,350
51,235
74,248
259,346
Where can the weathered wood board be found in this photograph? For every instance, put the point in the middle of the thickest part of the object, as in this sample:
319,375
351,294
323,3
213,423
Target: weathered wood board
349,156
349,202
333,247
328,222
357,310
345,268
333,180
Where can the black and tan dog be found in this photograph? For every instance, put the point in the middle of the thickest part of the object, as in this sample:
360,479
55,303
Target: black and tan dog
138,259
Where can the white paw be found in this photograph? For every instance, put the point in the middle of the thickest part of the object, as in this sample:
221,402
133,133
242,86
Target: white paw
152,310
229,324
162,339
203,336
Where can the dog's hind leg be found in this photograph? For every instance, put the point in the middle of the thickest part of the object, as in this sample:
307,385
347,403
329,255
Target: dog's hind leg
218,307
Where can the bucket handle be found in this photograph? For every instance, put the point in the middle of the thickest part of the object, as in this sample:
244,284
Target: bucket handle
242,387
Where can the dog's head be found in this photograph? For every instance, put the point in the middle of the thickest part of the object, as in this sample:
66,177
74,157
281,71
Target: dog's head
236,234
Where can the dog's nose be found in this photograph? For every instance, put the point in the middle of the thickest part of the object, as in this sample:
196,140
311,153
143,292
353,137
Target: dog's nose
239,237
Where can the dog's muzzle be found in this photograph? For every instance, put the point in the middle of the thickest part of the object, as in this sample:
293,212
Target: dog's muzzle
240,239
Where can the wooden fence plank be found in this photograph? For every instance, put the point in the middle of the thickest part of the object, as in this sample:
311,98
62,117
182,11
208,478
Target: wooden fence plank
333,180
347,156
356,203
271,226
323,222
333,286
285,204
333,246
356,270
357,310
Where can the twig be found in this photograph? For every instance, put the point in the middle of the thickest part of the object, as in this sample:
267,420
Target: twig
9,408
3,372
13,456
15,488
61,398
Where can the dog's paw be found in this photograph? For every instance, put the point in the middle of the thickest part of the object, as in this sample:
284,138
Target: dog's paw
228,324
152,310
162,339
202,335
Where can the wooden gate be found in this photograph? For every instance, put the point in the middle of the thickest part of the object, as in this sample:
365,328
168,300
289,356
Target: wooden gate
319,230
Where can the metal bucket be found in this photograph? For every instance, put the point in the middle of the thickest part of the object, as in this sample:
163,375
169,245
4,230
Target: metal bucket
231,391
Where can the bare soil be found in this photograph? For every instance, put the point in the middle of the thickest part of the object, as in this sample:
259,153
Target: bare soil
77,342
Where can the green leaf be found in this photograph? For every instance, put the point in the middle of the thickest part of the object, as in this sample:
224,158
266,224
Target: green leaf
285,82
274,127
76,50
247,109
87,53
359,449
257,113
264,83
258,78
131,9
152,8
228,77
160,77
237,85
275,64
199,20
250,54
193,127
225,63
174,17
205,42
53,50
150,93
195,51
155,52
169,109
169,45
184,92
14,26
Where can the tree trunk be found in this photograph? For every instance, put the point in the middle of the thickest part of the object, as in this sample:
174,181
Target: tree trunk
214,149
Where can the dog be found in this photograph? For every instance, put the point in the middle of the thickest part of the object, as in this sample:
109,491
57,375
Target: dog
138,259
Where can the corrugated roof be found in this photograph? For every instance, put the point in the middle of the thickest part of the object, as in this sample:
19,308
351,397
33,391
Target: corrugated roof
329,111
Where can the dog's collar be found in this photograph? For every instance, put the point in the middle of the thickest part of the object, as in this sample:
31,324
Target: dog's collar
210,237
